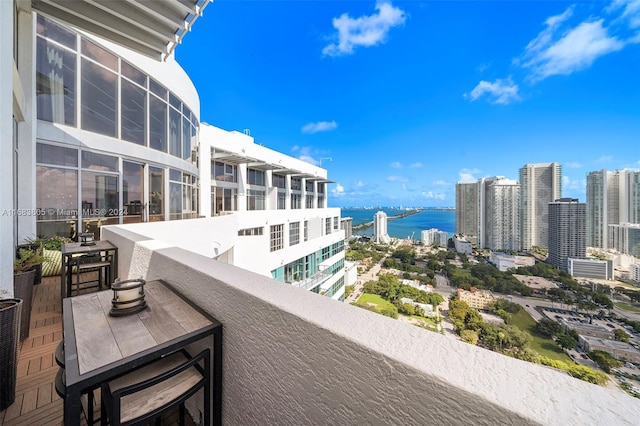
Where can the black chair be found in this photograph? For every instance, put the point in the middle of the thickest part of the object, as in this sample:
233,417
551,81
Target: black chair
84,265
149,391
60,386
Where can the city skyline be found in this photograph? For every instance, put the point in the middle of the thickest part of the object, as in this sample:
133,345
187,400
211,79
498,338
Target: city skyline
399,101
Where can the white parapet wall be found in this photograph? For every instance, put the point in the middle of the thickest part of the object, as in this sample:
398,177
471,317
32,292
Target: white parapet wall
292,357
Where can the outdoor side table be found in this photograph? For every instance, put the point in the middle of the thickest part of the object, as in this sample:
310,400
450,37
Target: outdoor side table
100,347
71,249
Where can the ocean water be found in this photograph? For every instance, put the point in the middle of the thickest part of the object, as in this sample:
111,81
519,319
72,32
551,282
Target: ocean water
443,220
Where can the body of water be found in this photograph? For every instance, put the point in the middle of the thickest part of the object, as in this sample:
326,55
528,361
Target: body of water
443,220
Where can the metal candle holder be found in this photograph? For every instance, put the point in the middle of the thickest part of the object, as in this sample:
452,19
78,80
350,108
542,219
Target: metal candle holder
86,239
128,297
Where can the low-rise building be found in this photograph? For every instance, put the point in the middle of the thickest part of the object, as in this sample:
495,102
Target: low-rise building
462,245
590,268
634,272
436,236
538,284
426,307
619,350
587,330
350,273
504,261
477,299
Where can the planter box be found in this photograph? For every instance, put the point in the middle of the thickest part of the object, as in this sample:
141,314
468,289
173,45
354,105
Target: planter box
10,312
23,289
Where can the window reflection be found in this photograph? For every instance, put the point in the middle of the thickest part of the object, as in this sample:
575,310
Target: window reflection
99,201
57,198
156,194
99,93
157,124
133,117
55,83
132,202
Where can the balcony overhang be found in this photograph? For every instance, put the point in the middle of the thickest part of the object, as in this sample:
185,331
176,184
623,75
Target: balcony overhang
233,158
150,27
261,165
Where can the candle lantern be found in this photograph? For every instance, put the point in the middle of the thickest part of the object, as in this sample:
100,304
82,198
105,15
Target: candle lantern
128,297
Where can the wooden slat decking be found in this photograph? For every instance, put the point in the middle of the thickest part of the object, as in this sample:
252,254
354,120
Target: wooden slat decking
36,400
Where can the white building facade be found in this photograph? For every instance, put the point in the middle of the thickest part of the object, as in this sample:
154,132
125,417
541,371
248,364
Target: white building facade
501,219
282,227
380,234
434,236
540,184
625,238
567,228
612,198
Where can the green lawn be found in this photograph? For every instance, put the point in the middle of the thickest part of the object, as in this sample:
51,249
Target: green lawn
375,299
626,307
541,344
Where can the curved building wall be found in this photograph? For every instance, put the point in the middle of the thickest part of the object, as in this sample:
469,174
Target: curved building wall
117,135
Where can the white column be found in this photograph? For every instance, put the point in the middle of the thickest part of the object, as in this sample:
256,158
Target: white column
6,146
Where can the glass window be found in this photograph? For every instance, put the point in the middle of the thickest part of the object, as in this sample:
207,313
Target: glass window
57,155
282,199
100,55
175,133
157,124
321,188
157,89
175,175
294,233
308,184
92,160
276,242
57,196
296,183
309,201
225,200
99,94
336,223
186,129
255,177
175,201
175,102
133,74
55,83
51,29
132,201
156,194
224,172
306,230
100,201
279,181
186,146
296,201
133,118
327,227
255,199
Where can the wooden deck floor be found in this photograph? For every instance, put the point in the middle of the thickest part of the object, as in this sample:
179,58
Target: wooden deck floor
36,400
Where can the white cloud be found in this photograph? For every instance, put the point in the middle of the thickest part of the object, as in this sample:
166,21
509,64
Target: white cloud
484,67
368,30
319,126
434,195
631,11
338,190
360,184
573,184
500,91
560,51
441,183
573,165
396,165
397,179
305,154
604,159
295,148
415,165
467,175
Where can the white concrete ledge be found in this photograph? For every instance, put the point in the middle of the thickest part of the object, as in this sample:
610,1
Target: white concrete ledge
294,358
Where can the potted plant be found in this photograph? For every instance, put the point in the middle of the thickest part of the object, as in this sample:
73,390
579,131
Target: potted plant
52,253
23,279
35,245
10,311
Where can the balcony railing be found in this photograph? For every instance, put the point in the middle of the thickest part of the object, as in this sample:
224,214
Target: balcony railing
292,356
314,280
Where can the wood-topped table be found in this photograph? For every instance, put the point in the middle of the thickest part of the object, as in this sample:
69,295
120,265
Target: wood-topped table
99,347
69,250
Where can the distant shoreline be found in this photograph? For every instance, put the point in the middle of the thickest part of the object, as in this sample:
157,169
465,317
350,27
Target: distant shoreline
394,217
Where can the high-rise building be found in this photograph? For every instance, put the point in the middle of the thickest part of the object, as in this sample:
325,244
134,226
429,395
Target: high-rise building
567,227
380,234
467,210
612,198
540,184
501,215
625,238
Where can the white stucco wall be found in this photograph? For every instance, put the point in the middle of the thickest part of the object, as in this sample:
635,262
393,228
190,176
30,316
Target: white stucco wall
292,357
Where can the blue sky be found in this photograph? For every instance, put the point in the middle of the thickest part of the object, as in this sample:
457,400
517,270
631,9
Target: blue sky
399,100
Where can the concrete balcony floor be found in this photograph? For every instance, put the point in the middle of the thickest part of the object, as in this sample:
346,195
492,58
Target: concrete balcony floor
36,400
